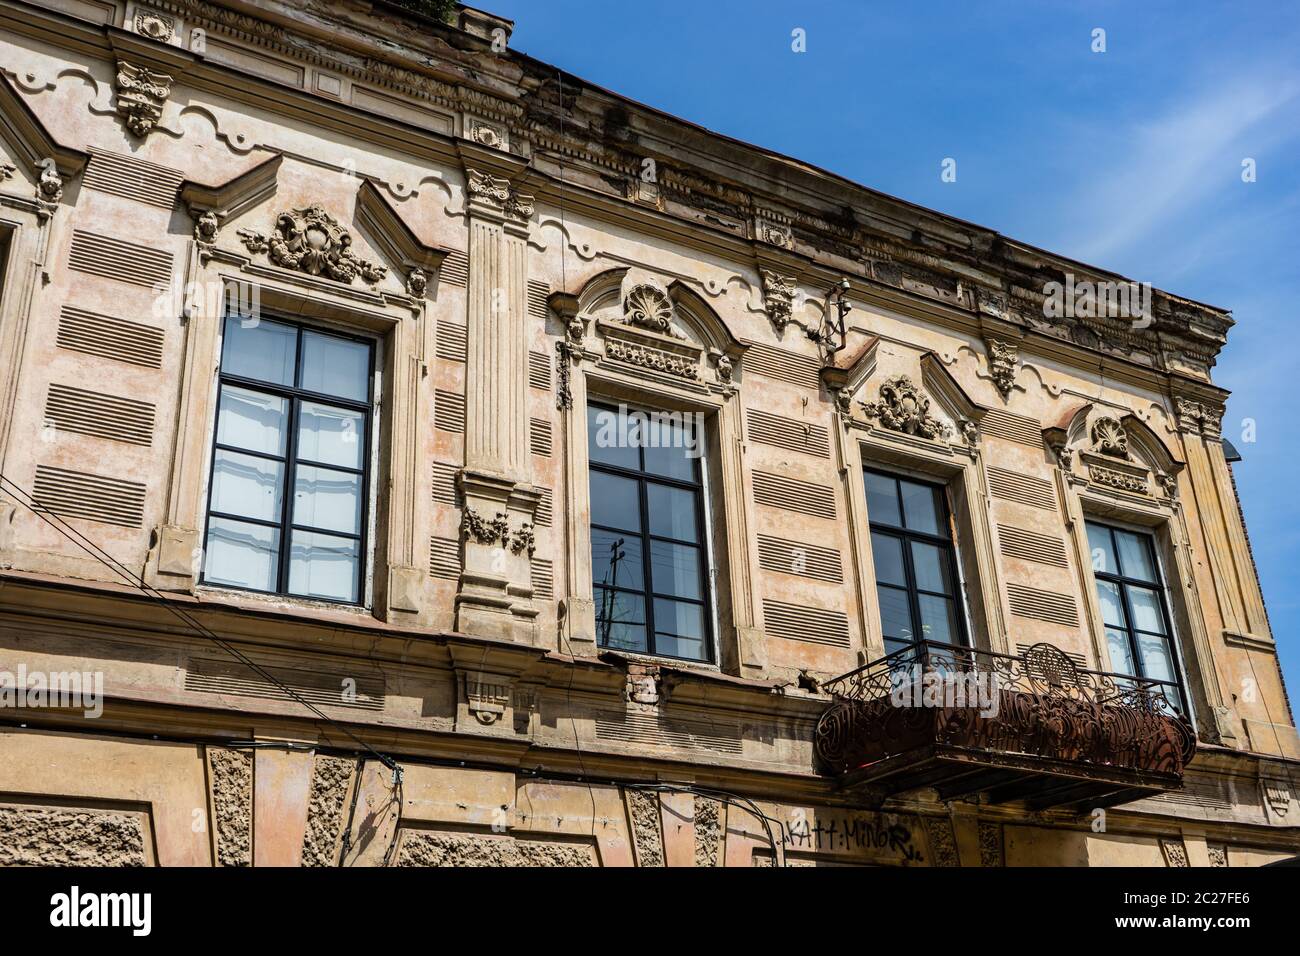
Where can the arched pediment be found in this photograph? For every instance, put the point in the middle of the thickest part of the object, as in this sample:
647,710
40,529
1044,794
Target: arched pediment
1146,445
1113,448
700,322
601,292
658,328
640,298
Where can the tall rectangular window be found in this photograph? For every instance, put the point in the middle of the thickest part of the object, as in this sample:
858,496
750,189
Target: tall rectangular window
287,503
916,568
649,558
1134,607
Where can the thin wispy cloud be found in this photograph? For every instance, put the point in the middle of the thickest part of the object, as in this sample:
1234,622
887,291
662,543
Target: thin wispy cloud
1162,168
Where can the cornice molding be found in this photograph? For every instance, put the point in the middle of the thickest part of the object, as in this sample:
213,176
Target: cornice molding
732,198
211,205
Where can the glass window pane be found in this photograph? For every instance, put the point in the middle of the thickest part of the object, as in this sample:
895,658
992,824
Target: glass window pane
932,568
620,620
882,500
608,439
893,645
623,637
331,436
247,486
679,630
1112,605
895,613
1147,613
1175,698
675,570
327,499
242,555
1121,654
920,507
938,619
335,366
256,348
1157,659
672,512
671,448
252,420
1135,556
614,502
616,559
323,566
1103,555
887,553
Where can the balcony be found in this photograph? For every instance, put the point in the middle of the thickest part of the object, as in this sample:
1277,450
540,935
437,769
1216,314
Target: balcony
1033,730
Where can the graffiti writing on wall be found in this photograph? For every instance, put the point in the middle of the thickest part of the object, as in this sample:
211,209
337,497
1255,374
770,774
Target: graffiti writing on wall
860,833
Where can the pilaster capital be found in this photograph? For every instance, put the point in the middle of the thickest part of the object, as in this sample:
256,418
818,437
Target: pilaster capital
493,197
1200,416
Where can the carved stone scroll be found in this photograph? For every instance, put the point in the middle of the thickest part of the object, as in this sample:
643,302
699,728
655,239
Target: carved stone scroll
141,94
778,298
1003,359
310,240
904,408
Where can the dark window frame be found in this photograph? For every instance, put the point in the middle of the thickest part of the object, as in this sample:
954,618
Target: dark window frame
1131,631
8,236
295,396
643,478
905,535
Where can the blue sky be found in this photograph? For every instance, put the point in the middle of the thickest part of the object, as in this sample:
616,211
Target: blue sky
1130,159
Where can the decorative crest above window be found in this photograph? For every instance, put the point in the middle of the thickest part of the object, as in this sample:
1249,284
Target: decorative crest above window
310,240
904,408
1109,437
649,307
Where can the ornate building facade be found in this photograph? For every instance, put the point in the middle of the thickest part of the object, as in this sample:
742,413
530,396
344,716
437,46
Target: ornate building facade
440,460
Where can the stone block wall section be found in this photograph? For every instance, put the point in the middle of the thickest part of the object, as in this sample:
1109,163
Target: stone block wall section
214,806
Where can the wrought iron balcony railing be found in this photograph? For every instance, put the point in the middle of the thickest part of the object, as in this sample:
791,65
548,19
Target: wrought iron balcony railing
1033,726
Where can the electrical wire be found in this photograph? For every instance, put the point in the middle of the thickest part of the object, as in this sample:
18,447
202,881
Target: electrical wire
346,843
71,533
18,494
399,793
722,796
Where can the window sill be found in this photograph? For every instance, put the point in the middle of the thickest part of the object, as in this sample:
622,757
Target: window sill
257,601
681,663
